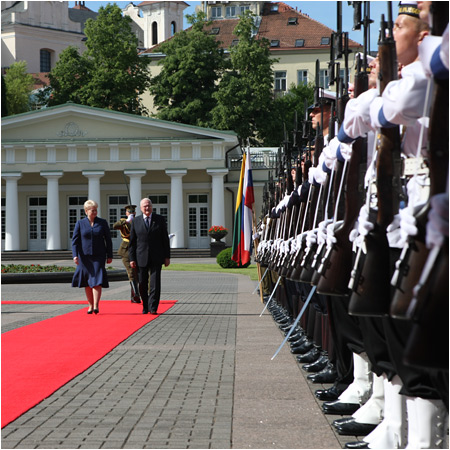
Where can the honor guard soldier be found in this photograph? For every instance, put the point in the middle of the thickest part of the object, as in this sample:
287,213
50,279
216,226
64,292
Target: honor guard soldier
124,225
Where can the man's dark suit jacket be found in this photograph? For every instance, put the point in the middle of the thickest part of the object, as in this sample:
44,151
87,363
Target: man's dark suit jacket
149,247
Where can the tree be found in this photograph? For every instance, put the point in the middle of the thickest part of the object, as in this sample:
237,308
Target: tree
282,114
109,74
18,84
4,105
183,90
245,94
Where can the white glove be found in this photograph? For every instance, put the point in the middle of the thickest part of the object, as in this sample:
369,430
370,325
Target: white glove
331,228
437,225
130,218
322,232
320,176
394,233
346,151
364,226
256,236
408,223
311,238
329,152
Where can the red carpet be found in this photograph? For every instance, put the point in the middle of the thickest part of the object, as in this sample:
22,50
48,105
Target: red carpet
40,358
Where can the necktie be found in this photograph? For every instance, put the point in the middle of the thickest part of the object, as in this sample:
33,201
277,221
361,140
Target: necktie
147,222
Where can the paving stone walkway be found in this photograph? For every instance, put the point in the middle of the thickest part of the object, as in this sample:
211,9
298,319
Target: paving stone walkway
199,376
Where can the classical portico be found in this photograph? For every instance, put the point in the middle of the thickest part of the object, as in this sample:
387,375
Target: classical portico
54,159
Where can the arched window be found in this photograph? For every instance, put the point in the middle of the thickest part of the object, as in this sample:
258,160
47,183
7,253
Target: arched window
154,33
173,28
45,60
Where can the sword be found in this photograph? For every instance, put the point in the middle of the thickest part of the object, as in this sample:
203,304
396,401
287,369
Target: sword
311,292
260,281
271,295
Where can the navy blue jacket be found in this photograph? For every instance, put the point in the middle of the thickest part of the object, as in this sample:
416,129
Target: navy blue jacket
92,241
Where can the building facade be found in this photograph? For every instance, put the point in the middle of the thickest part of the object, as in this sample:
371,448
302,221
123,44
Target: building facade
54,159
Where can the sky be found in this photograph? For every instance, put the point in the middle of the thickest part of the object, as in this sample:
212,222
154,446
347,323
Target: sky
322,11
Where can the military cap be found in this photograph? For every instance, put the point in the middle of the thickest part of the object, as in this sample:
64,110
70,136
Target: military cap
130,208
328,98
409,8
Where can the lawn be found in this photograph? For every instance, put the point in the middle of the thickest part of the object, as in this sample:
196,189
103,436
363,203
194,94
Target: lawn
250,271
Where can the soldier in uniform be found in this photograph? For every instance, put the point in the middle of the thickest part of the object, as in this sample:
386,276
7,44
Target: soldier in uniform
124,225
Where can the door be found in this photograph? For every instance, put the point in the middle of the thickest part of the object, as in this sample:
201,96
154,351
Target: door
198,211
37,224
76,213
116,210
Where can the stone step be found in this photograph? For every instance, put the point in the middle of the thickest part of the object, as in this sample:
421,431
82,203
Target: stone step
67,254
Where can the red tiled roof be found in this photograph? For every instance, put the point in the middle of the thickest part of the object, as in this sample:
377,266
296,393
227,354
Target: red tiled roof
82,6
150,3
274,26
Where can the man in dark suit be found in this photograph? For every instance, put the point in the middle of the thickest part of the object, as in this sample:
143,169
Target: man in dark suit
149,249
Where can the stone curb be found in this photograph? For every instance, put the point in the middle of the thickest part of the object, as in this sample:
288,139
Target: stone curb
57,277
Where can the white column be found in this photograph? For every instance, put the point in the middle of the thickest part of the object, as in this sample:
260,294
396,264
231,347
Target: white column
135,186
53,217
176,207
94,186
12,229
218,196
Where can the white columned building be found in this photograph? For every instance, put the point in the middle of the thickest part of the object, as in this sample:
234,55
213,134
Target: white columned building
94,186
218,198
12,228
53,217
176,207
136,186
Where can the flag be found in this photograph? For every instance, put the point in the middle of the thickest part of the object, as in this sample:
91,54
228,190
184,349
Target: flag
242,232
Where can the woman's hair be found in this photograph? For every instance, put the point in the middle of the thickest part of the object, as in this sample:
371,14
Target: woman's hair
89,204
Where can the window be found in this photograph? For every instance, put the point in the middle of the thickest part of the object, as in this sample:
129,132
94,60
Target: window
46,61
216,12
3,218
325,41
299,42
324,78
154,33
173,28
215,30
234,42
280,81
292,21
302,77
230,11
275,43
160,205
274,8
244,8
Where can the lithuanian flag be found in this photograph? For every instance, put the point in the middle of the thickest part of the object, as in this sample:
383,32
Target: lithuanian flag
242,231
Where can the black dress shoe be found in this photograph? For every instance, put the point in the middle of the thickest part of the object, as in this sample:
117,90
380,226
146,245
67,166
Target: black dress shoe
317,365
355,428
302,348
297,338
328,395
135,300
338,422
90,312
309,357
96,311
337,407
144,311
153,311
357,444
327,375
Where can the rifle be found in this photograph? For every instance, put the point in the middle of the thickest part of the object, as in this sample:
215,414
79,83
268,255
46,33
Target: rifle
371,295
336,265
415,253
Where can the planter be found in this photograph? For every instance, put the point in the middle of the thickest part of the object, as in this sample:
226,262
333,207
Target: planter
215,248
217,236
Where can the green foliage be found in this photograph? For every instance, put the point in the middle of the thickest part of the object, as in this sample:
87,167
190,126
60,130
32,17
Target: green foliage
19,85
282,114
4,105
224,260
109,74
183,90
245,94
34,268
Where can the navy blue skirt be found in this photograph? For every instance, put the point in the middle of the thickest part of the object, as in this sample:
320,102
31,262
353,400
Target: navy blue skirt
90,272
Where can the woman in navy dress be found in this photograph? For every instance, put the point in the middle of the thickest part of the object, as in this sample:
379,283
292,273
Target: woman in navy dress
91,247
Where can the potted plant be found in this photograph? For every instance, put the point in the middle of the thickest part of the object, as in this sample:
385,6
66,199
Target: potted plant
217,232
